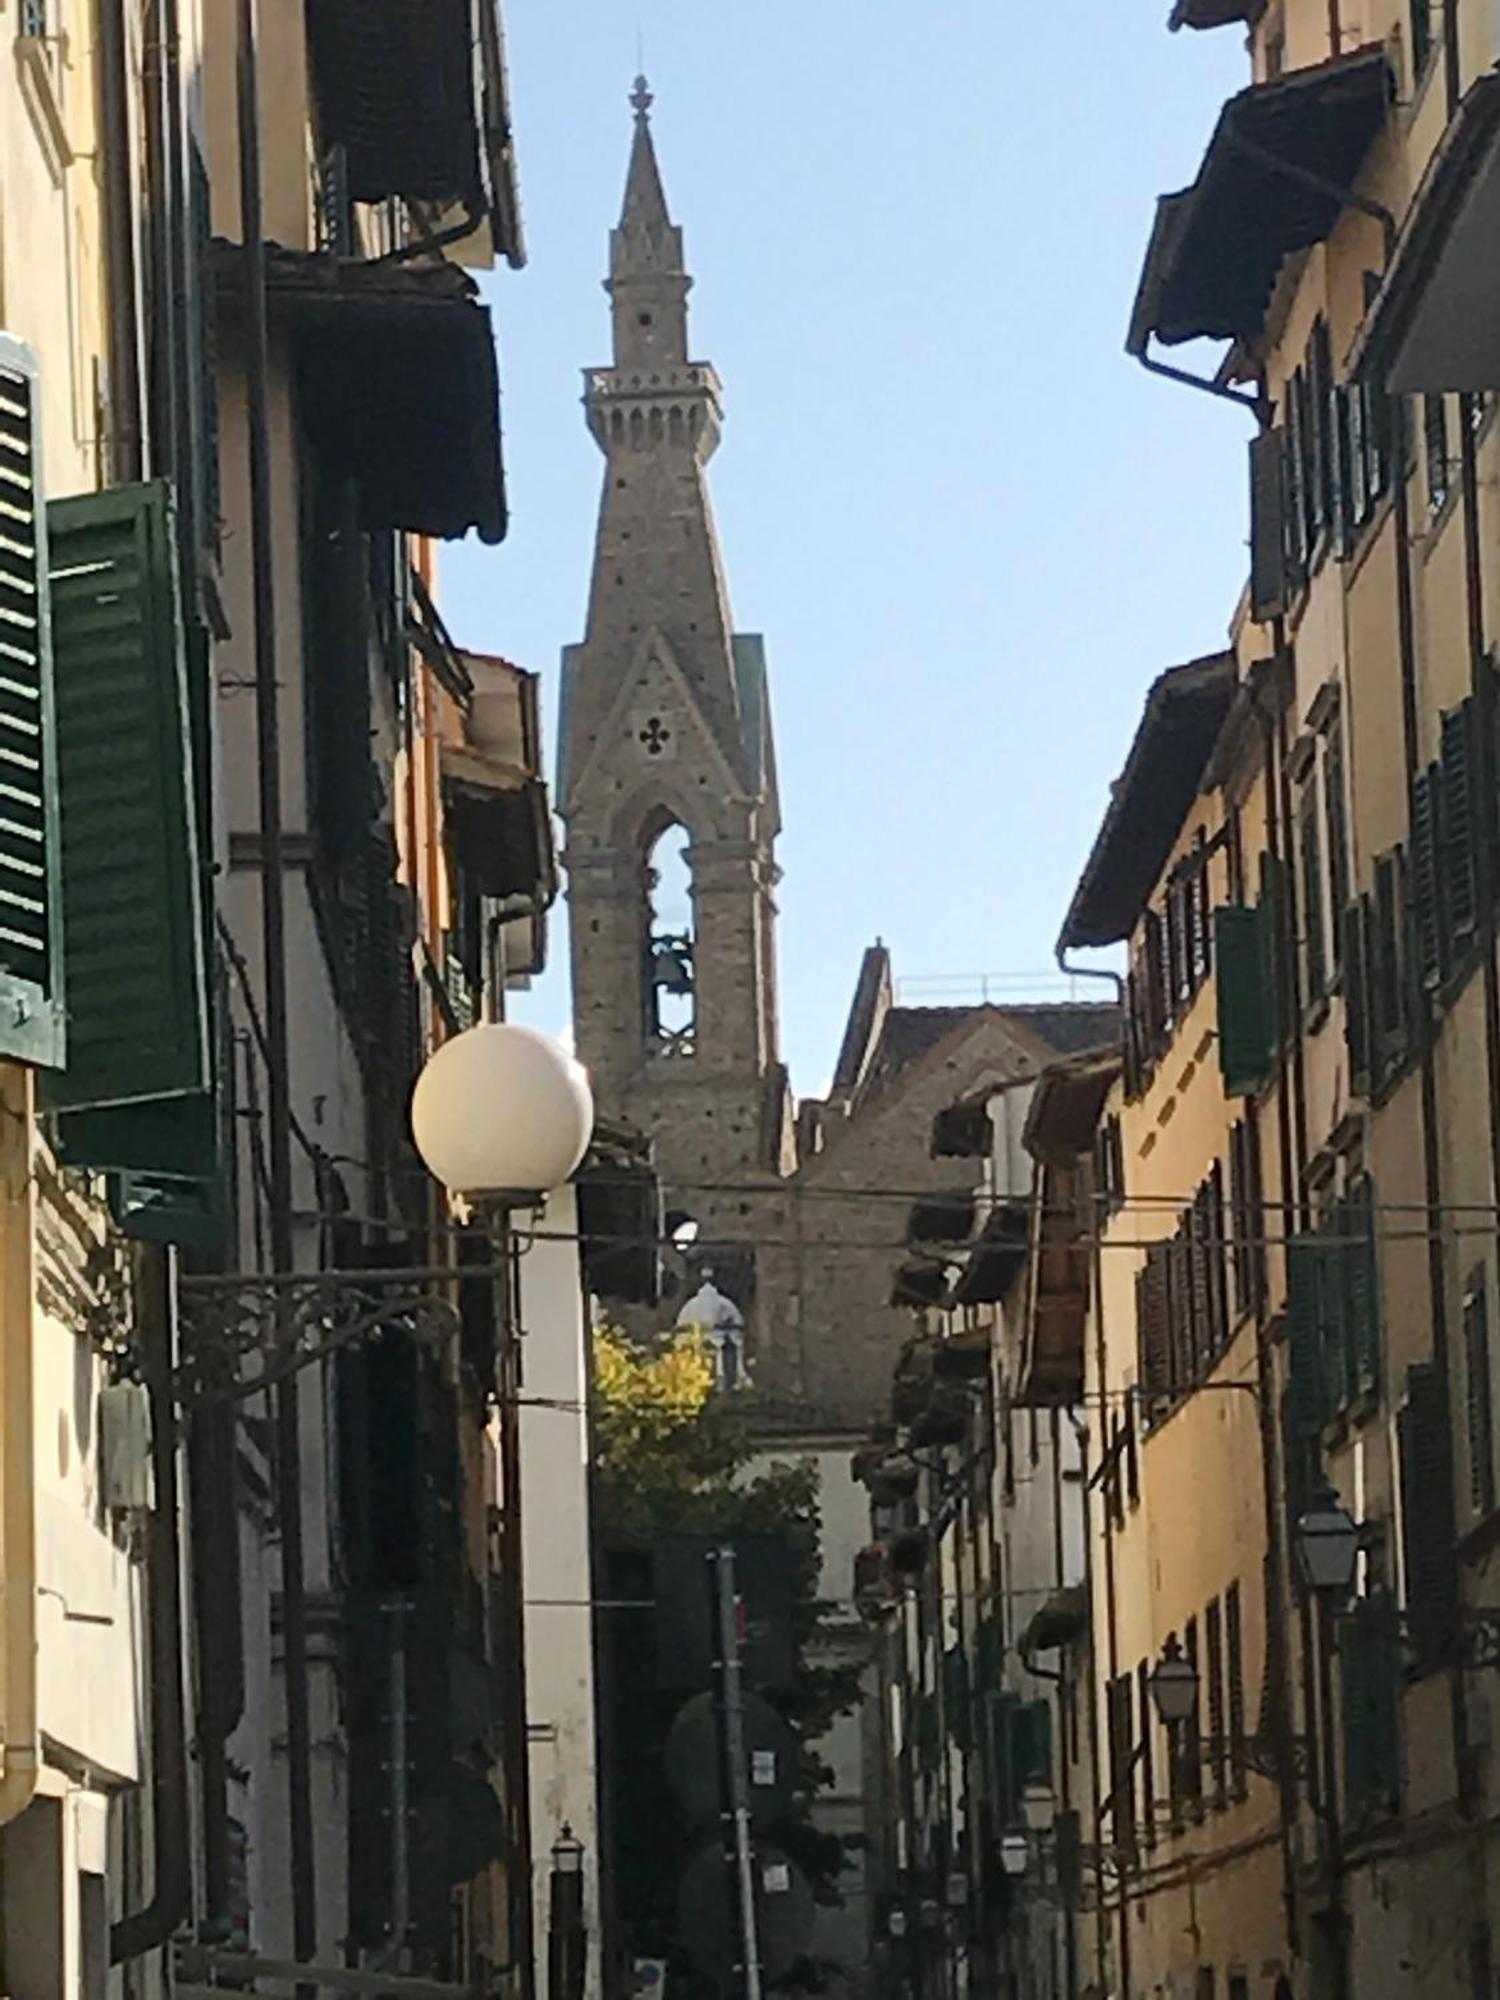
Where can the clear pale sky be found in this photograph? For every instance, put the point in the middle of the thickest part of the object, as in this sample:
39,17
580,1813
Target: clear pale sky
971,530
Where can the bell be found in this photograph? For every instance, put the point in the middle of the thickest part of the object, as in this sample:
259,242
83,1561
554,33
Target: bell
671,969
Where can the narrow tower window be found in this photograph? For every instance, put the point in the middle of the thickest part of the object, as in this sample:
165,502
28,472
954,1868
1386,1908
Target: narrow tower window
670,982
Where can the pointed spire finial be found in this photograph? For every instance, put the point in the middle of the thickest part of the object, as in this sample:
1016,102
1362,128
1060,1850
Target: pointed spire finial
641,100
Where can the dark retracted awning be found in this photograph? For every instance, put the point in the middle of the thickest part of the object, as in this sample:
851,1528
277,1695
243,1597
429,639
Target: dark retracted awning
1184,712
396,84
1435,323
1275,179
992,1263
399,388
1214,13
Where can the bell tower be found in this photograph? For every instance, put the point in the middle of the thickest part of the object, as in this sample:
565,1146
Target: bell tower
667,781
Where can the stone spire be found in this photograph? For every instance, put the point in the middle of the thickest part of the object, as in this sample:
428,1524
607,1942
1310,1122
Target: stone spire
648,280
666,737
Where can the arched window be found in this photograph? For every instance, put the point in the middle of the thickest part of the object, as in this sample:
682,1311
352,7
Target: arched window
670,975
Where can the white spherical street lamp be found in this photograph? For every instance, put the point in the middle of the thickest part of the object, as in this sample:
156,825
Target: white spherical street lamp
502,1115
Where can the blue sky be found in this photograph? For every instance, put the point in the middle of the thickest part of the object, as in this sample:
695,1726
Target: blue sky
970,528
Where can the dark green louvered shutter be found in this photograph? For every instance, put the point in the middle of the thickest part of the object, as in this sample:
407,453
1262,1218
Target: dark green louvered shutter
1425,1442
1268,526
1355,957
1425,880
1334,1341
1362,1284
31,960
1370,1671
1305,1384
1246,1013
1460,897
132,893
1275,933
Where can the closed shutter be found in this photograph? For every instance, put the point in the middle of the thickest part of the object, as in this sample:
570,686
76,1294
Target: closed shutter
1340,490
1333,1323
1426,902
1155,1327
1362,1284
1305,1384
1246,1037
132,894
1297,550
1358,1026
1234,1687
31,959
1478,1407
1460,896
1314,944
1218,1747
1275,931
1370,1669
1426,1451
1268,526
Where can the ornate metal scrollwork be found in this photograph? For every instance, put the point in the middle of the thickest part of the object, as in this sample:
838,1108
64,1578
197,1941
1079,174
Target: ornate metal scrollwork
242,1334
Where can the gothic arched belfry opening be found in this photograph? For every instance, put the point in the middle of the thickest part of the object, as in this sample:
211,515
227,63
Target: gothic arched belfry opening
667,777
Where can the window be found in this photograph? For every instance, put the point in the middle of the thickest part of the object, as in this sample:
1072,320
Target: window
1172,957
670,967
1337,816
1246,1227
34,22
1120,1705
1182,1299
1147,1711
1314,909
1435,440
1421,37
1333,1310
1478,1406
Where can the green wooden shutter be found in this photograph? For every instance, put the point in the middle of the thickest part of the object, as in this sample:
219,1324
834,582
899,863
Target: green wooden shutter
1268,526
1370,1700
1425,880
1304,1361
1334,1341
1478,1399
32,973
1355,956
1246,1015
1460,896
1425,1443
132,894
1362,1284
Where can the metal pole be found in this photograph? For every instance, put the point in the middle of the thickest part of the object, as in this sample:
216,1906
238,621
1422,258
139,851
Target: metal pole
1338,1929
400,1788
273,947
517,1746
738,1854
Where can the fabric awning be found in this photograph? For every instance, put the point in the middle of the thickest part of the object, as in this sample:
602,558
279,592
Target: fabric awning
992,1263
399,388
1274,180
1435,322
1057,1307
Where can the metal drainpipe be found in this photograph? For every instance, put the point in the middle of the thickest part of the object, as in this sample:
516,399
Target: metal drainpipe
517,1746
273,938
1111,1628
117,183
147,1929
1482,685
1437,1280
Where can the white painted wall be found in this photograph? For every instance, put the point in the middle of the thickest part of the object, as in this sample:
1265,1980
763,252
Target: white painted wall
558,1569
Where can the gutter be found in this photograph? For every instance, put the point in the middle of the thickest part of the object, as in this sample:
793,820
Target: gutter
18,1539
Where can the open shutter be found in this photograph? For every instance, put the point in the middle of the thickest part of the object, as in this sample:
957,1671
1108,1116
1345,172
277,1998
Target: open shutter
132,893
1459,892
1268,526
1334,1339
1426,1451
1304,1361
31,962
1246,1036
